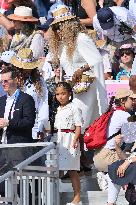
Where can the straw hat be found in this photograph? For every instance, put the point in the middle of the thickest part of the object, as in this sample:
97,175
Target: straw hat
24,59
122,93
22,13
61,13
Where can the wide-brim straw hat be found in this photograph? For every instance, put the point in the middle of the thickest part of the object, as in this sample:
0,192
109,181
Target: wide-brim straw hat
61,13
22,13
122,93
133,95
24,59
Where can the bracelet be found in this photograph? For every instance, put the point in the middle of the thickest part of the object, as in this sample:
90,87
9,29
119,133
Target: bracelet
129,160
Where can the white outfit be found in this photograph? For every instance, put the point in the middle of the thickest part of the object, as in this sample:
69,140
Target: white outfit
117,120
41,105
68,117
37,46
47,70
94,101
121,14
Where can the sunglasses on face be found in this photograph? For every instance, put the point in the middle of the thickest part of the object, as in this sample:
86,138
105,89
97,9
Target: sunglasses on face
128,53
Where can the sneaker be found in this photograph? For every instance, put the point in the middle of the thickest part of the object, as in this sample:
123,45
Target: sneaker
102,181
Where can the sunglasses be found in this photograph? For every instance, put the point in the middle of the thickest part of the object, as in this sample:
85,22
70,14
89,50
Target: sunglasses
128,53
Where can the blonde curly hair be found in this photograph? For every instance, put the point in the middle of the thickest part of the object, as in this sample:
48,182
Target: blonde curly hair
64,33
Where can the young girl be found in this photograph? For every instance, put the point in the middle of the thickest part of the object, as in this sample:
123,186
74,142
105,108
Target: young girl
68,121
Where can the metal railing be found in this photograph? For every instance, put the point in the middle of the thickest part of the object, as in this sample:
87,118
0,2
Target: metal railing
33,185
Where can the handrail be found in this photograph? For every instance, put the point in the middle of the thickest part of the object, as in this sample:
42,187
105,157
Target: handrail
36,144
6,175
28,160
35,156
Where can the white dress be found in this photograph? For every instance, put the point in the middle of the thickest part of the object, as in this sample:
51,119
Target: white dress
93,102
68,117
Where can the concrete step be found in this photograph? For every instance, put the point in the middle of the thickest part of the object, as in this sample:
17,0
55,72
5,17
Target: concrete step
93,198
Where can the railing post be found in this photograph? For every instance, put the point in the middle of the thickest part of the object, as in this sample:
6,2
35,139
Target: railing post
14,188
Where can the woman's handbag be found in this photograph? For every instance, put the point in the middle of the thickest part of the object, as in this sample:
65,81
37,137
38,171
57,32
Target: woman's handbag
84,84
130,194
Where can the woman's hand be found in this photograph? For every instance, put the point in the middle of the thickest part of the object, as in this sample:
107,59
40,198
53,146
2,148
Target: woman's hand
74,143
77,75
118,140
122,168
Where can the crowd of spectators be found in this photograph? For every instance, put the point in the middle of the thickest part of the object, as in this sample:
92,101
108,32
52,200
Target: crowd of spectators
84,43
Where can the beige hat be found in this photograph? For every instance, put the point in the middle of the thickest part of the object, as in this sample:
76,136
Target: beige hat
24,59
122,93
61,13
22,13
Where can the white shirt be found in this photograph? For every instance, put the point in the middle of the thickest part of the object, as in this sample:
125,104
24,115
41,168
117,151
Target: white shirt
118,118
120,15
41,105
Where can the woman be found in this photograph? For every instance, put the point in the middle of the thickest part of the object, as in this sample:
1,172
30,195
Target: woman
12,5
33,84
126,55
26,34
105,156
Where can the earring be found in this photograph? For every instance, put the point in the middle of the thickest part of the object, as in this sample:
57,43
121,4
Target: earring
69,97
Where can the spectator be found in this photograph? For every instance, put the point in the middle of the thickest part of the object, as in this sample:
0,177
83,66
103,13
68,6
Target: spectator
17,117
107,154
33,84
9,25
26,35
113,23
126,53
17,113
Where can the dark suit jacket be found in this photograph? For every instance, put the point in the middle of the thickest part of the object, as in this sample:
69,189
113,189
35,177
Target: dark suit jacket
20,126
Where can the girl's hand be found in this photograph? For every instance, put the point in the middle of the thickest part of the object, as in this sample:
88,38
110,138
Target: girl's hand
118,140
74,143
122,168
77,75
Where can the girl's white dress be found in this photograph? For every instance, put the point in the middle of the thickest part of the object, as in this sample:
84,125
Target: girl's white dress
68,117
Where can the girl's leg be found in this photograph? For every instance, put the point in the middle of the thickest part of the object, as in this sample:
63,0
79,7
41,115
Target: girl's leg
76,185
113,191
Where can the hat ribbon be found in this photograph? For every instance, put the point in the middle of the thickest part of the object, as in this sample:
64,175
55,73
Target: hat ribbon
63,15
26,60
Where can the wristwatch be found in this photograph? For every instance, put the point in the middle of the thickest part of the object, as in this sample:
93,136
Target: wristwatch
129,159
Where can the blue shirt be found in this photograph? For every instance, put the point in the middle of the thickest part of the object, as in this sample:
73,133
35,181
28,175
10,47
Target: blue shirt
123,72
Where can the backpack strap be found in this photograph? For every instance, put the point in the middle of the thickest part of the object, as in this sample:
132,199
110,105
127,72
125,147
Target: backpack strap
114,135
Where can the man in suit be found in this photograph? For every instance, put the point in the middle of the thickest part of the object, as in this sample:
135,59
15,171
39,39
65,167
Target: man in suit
17,118
17,110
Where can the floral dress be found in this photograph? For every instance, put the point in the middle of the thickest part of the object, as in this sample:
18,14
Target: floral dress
68,117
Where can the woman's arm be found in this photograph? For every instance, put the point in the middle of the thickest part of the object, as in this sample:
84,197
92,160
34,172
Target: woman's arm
120,153
9,25
90,8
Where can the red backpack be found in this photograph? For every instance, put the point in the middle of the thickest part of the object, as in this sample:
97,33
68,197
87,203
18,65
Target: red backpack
96,134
